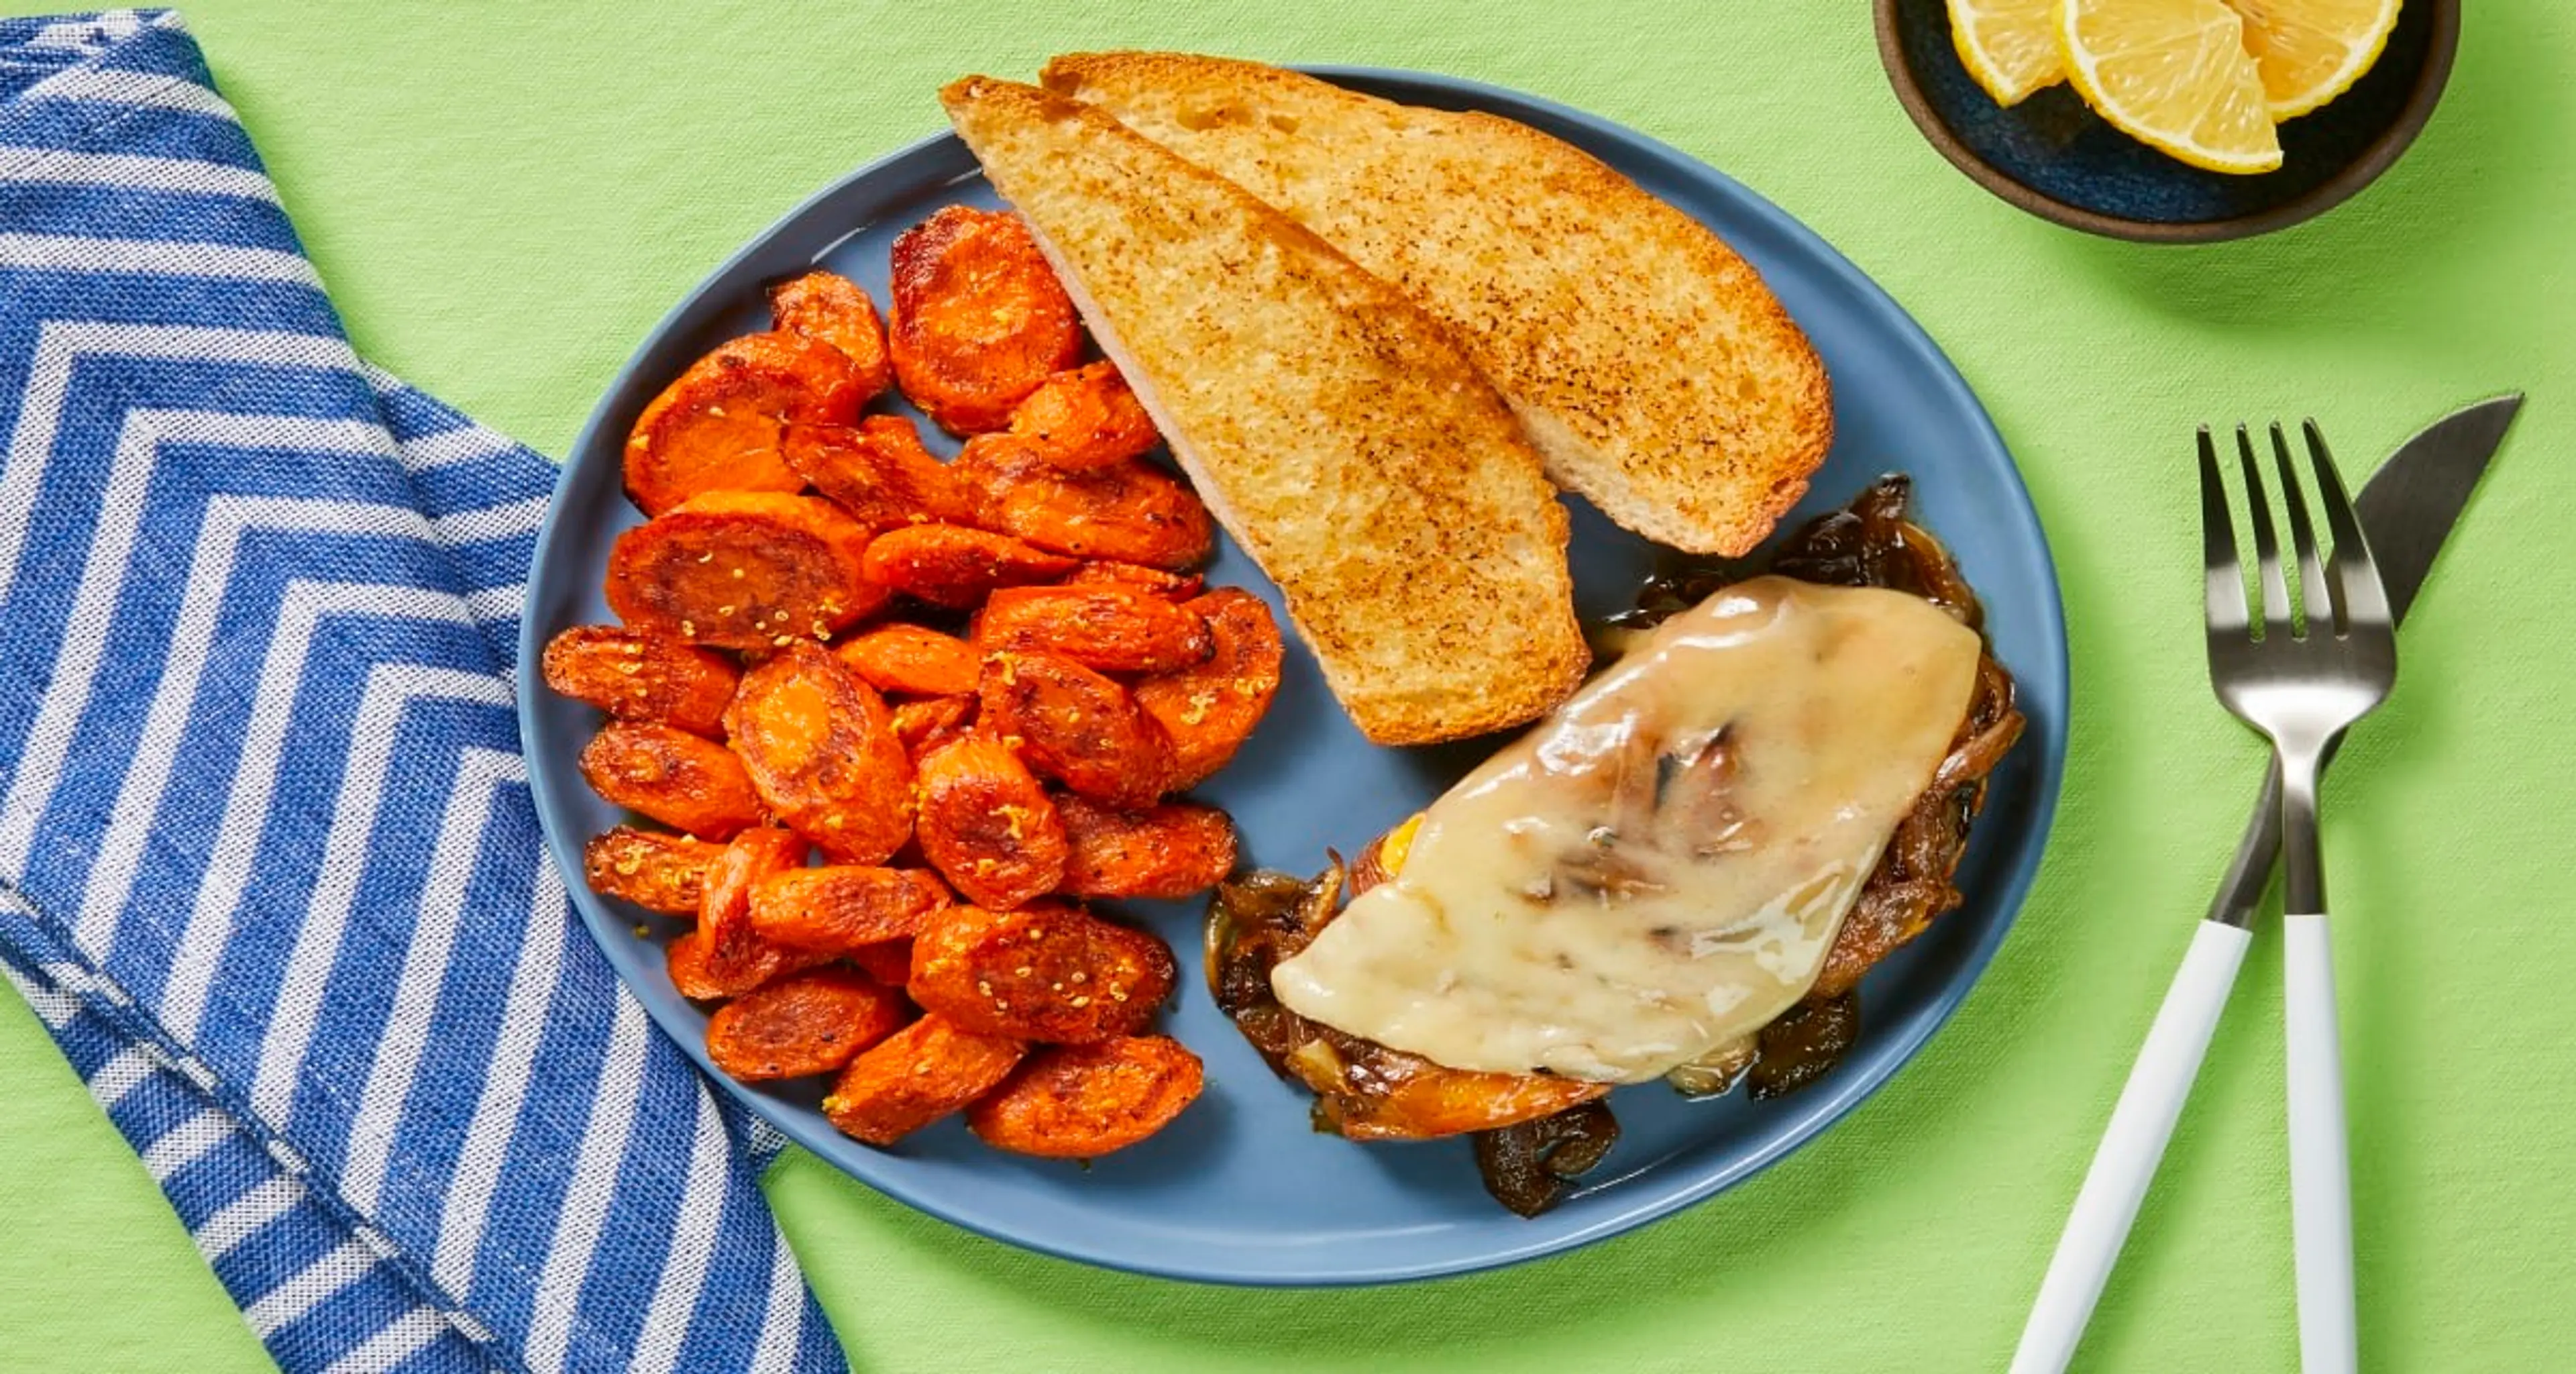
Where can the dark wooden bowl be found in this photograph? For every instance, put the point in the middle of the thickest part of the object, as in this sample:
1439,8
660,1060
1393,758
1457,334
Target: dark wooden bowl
2055,158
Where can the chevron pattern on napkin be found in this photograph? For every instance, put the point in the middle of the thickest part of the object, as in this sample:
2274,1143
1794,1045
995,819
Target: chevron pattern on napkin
269,868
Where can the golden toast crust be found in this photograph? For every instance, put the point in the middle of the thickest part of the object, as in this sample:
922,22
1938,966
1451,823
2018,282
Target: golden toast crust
1336,428
1655,370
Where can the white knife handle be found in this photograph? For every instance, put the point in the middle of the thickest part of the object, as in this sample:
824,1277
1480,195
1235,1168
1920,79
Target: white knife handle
2320,1176
2126,1160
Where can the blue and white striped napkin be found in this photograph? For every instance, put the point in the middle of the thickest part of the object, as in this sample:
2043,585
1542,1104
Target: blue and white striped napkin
268,863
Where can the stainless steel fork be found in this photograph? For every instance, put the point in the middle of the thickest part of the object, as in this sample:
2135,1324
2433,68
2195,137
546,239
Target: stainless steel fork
2302,675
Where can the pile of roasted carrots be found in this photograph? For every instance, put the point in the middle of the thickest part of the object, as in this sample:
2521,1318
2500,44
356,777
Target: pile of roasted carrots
969,685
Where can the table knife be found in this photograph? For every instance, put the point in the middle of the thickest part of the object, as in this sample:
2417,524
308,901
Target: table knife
2407,508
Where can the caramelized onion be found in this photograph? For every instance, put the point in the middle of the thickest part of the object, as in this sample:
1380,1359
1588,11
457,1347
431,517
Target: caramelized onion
1804,1045
1530,1167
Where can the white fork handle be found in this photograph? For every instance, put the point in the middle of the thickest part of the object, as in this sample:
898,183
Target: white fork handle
2126,1160
2320,1177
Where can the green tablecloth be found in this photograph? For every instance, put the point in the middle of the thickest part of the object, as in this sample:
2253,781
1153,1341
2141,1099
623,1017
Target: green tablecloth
503,197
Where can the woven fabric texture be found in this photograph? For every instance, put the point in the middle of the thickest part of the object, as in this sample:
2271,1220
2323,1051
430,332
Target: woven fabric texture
269,870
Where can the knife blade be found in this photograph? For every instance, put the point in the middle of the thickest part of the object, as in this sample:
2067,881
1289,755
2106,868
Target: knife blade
2407,508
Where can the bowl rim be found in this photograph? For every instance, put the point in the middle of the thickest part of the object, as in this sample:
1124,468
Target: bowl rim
2382,153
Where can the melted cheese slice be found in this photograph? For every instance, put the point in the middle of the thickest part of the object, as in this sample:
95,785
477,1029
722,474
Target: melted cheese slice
1660,867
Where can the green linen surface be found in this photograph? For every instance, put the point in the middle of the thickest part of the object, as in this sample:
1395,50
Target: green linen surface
504,197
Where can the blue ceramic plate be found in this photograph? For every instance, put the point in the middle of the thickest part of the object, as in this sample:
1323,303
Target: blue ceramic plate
1240,1189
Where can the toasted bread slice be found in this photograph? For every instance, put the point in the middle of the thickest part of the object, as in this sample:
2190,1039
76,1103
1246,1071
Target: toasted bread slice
1658,374
1335,427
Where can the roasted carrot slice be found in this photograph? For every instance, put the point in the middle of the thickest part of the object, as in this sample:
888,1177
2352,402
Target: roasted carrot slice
1209,710
889,962
987,825
925,724
1077,727
1083,1101
641,675
979,318
803,1023
820,748
917,1075
1171,850
685,782
1116,629
1109,572
878,471
957,567
717,427
912,660
835,311
686,959
736,956
744,570
839,908
655,871
1130,510
1085,418
1048,971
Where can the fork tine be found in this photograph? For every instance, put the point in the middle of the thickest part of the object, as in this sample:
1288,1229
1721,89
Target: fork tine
2223,588
2359,599
2320,606
2267,545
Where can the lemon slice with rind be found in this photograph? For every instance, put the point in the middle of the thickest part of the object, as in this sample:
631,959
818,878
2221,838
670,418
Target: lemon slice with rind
2010,46
2175,75
2310,51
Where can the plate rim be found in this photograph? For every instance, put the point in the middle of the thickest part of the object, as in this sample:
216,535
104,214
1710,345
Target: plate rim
2010,896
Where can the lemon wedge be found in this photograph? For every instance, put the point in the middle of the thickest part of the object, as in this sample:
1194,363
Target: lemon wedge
2311,51
2175,75
2009,46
